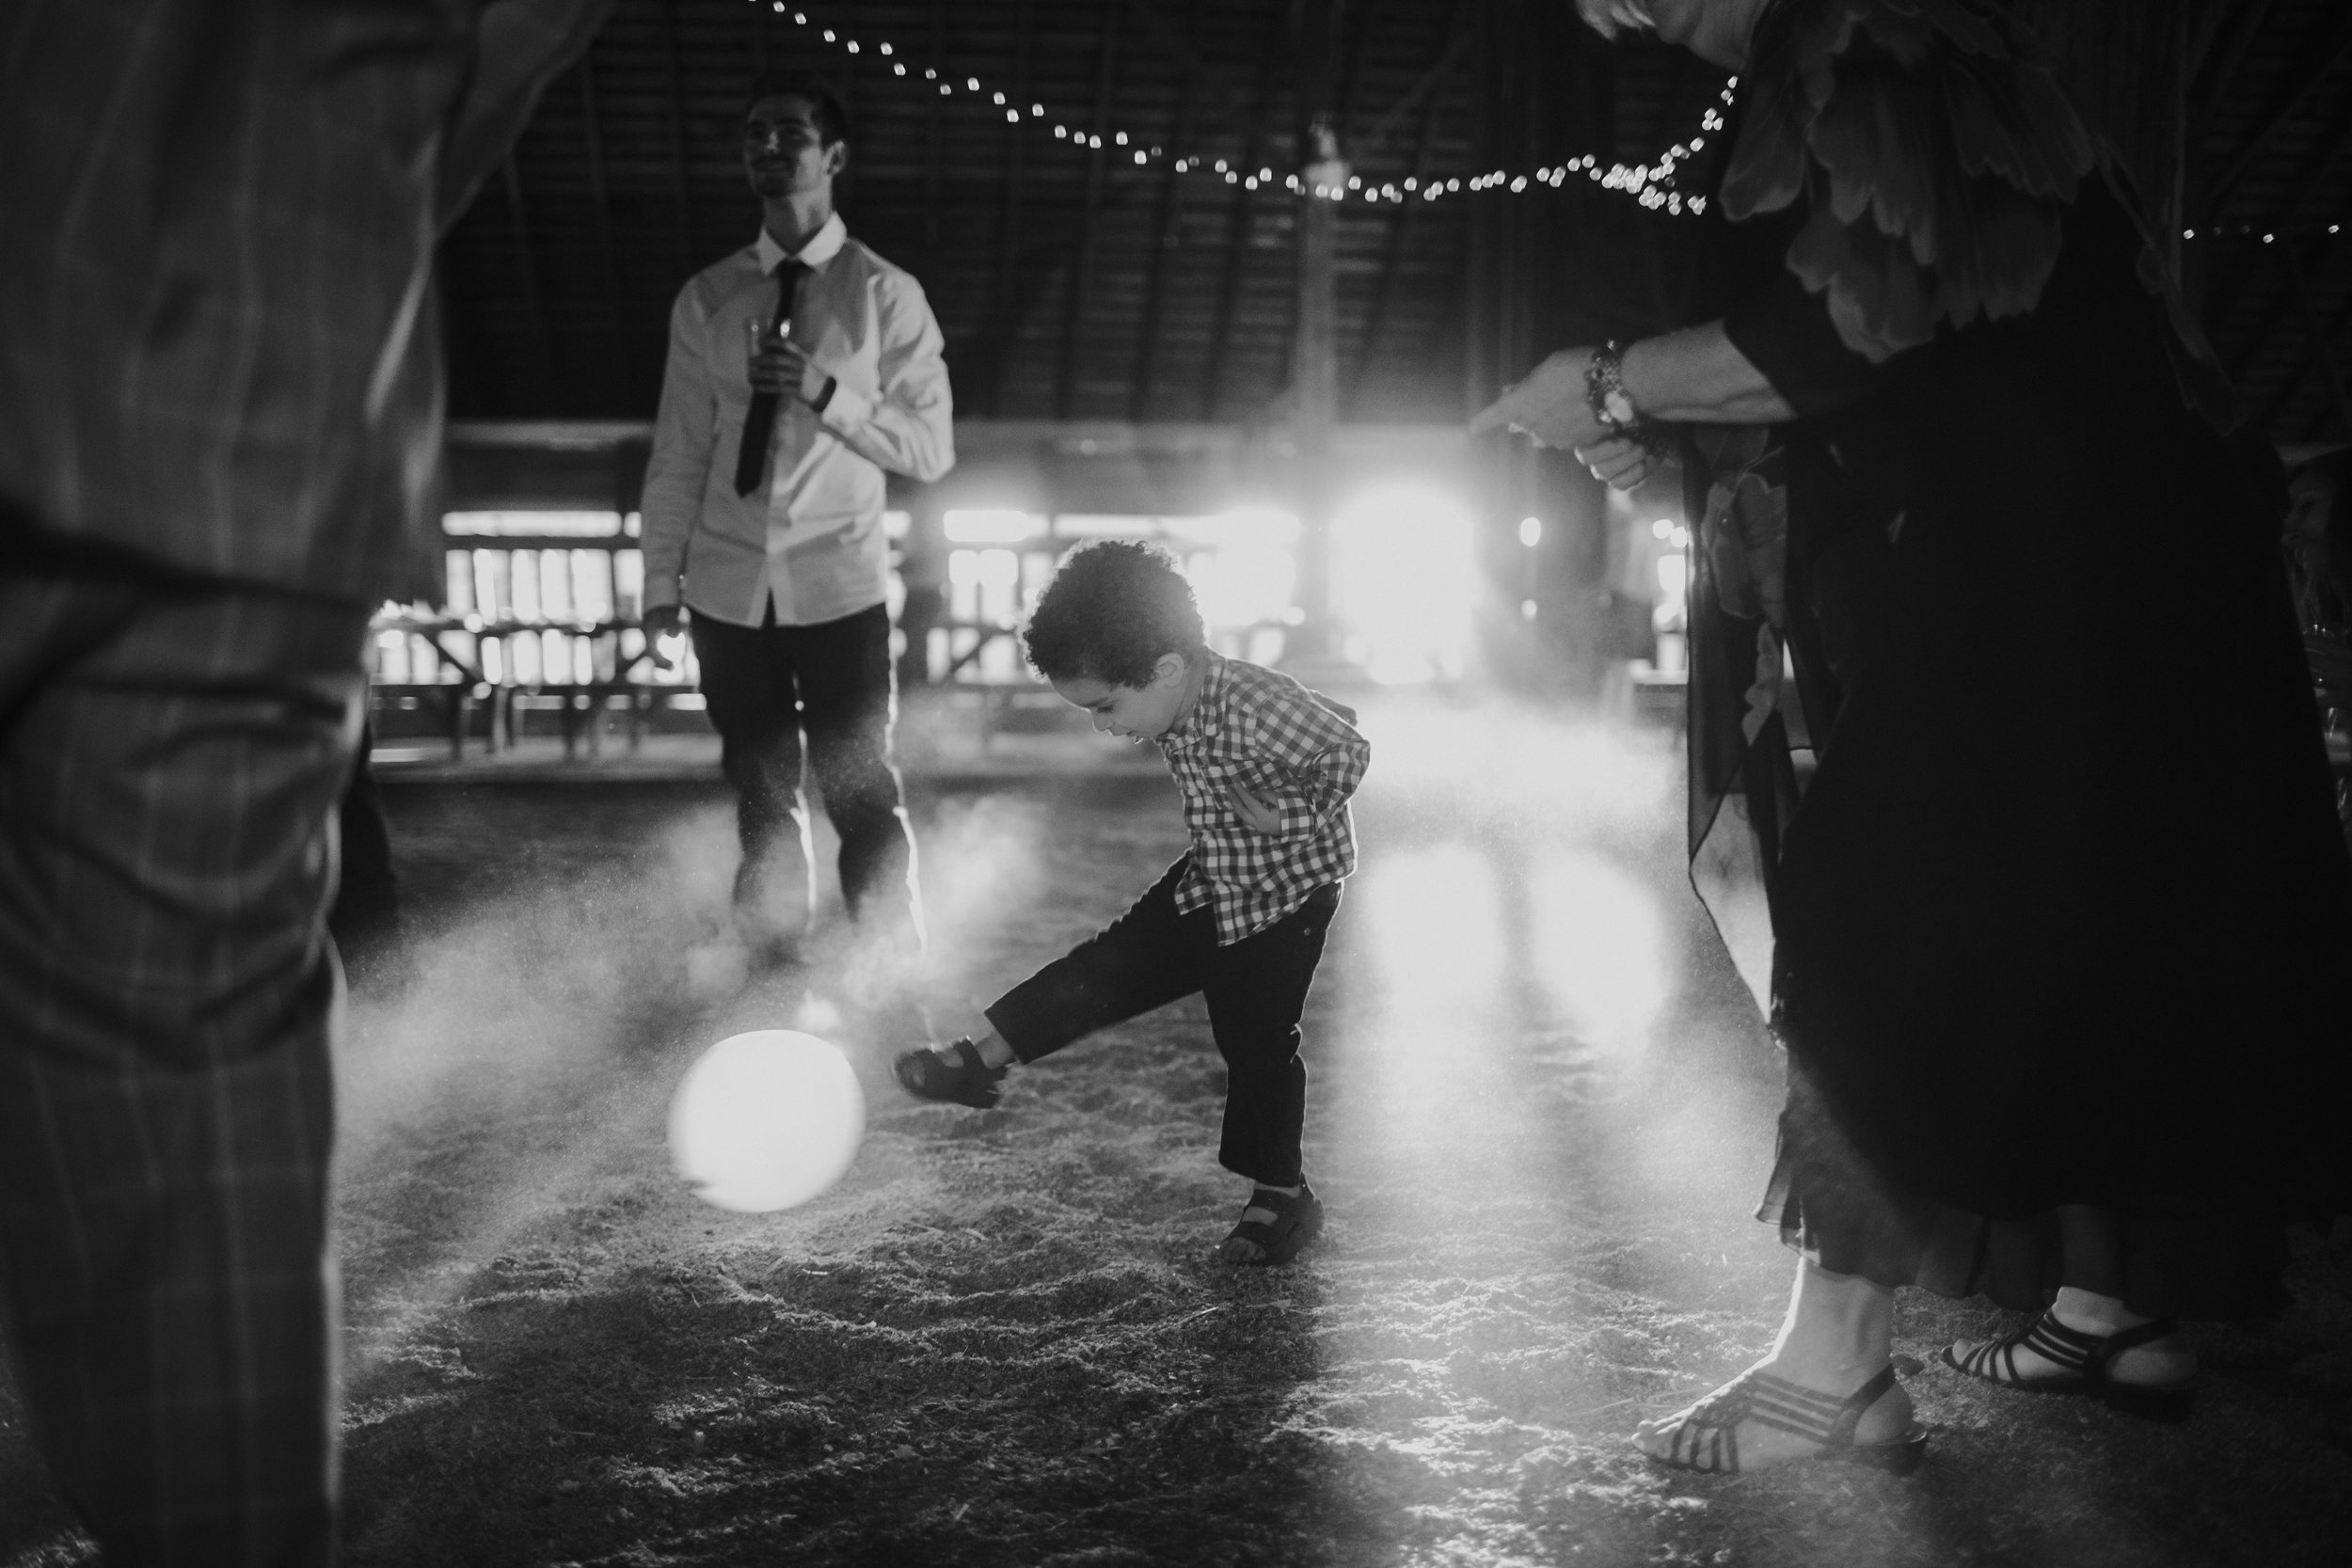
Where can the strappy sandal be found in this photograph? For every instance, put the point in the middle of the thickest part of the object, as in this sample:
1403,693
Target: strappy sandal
1709,1437
955,1076
2083,1361
1296,1221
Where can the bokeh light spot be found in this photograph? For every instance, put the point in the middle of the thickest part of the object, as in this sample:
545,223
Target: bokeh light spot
766,1120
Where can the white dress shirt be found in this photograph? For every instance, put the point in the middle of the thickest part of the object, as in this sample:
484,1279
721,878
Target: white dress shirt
811,541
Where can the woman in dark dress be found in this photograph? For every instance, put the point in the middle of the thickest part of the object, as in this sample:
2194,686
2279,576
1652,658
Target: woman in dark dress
2056,936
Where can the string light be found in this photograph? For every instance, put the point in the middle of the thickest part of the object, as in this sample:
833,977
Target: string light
2253,230
1651,186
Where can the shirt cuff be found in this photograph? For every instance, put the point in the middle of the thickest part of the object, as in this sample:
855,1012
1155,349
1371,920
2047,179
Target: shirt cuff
844,410
1298,816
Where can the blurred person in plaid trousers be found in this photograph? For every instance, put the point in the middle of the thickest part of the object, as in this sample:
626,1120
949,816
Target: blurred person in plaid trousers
220,380
1267,769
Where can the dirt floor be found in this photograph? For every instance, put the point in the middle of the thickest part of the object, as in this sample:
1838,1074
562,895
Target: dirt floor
1541,1110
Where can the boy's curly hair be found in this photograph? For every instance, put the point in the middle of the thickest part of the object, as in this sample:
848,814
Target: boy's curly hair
1115,607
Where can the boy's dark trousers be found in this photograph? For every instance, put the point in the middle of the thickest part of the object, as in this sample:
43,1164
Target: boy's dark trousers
1255,989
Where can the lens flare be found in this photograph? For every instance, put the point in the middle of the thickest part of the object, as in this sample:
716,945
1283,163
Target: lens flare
1599,945
1405,580
766,1120
1244,585
1435,923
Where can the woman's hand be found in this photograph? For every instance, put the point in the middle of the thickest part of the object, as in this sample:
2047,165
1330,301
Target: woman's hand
1694,377
1620,462
1549,406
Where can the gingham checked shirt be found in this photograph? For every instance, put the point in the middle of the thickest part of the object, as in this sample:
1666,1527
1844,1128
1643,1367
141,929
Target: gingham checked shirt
1293,748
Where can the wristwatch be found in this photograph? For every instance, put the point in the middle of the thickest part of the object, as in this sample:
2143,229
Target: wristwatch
1604,389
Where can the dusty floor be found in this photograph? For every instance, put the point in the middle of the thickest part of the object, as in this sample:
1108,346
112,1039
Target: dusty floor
1541,1110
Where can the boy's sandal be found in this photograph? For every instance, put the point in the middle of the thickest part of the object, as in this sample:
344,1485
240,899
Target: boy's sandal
1296,1221
2083,1362
1707,1439
955,1076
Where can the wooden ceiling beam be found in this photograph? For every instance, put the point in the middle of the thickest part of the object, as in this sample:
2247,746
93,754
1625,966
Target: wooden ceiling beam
2321,339
933,131
601,197
2241,364
1082,267
2232,60
2204,31
1351,66
527,274
1210,84
2308,182
1392,257
2331,57
2322,345
680,185
1423,88
1043,241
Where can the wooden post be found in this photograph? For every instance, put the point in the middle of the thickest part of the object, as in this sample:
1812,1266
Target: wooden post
1082,268
1314,380
1480,378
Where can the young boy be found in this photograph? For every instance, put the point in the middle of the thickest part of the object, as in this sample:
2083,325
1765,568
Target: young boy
1267,768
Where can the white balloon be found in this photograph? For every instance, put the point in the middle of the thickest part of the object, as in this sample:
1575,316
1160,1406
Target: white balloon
766,1120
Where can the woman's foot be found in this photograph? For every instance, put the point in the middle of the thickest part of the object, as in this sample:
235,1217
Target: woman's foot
1827,1387
2142,1364
1767,1417
1277,1223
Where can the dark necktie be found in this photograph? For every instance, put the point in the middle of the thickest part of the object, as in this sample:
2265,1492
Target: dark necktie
759,421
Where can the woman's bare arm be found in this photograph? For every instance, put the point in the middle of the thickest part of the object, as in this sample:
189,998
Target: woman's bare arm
1699,376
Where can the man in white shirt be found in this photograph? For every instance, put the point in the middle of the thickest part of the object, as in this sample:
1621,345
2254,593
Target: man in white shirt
801,368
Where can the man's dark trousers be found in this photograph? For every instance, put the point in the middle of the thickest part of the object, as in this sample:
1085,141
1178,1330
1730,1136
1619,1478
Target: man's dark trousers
1255,988
764,686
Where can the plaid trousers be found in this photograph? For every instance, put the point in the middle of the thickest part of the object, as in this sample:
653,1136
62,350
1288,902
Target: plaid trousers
170,757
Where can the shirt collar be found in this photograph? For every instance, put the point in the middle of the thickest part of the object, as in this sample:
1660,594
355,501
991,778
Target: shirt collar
822,246
1207,716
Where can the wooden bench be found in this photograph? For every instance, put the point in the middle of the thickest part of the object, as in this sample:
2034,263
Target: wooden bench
580,704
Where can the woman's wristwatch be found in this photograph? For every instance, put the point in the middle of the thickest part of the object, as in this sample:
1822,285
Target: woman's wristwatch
1613,405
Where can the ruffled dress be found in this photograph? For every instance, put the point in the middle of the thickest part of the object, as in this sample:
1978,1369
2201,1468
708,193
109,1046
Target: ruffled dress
2008,791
